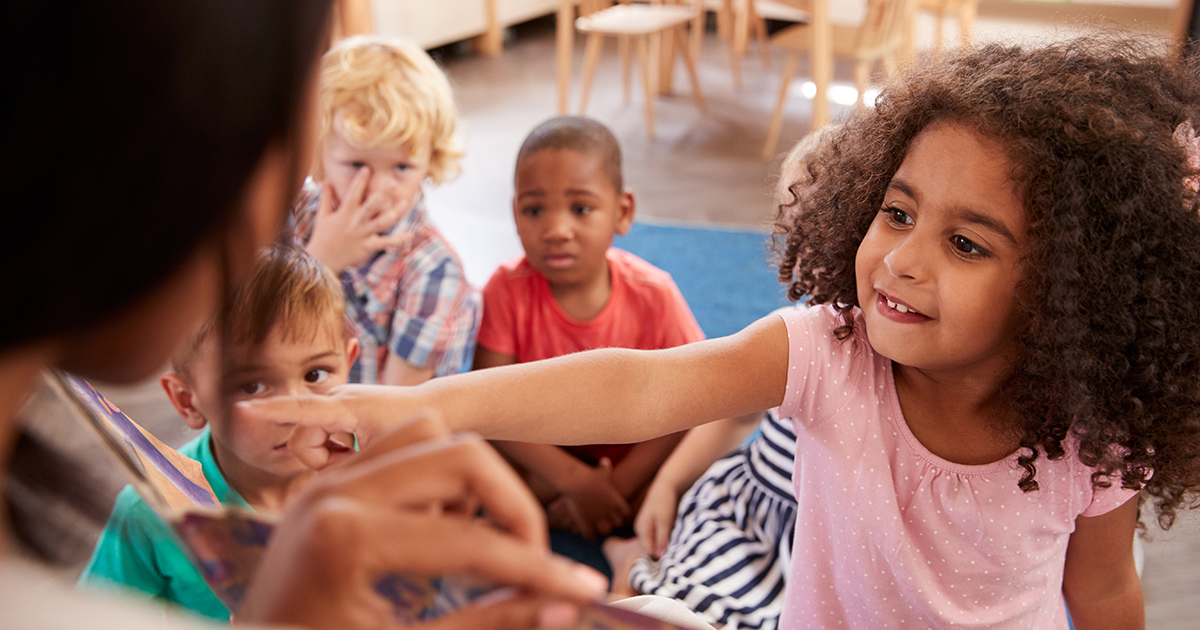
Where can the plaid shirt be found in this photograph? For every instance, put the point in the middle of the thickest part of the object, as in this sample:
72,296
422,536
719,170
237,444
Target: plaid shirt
411,300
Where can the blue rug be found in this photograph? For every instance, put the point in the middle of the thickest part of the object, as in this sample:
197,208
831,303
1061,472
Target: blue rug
725,275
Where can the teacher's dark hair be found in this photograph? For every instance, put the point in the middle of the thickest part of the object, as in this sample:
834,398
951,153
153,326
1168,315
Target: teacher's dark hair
128,131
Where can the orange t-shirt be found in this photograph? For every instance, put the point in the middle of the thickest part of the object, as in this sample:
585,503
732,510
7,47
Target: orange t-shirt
645,311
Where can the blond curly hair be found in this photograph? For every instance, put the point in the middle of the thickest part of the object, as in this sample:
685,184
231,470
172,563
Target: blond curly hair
389,93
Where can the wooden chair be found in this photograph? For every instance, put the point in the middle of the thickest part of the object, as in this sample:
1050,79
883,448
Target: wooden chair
737,20
965,9
878,38
645,26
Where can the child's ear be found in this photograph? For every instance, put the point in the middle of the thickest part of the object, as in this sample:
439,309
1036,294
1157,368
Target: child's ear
184,400
353,347
625,208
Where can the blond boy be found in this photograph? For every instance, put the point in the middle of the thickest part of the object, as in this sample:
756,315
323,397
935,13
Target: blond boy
283,332
388,127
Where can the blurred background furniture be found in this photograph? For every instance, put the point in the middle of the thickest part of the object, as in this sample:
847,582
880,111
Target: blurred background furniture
658,30
738,19
878,39
965,10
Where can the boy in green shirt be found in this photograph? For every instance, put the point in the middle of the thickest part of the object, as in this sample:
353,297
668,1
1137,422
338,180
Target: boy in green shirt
284,332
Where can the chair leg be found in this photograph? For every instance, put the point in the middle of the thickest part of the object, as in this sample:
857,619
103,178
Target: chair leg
645,62
690,64
590,55
966,20
862,75
626,67
789,69
890,65
724,19
937,37
760,35
666,60
738,42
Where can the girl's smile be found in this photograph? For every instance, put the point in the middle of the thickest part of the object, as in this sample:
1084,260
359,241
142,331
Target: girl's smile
938,268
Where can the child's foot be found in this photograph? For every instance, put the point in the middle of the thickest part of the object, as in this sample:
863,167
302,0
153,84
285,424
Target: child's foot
621,553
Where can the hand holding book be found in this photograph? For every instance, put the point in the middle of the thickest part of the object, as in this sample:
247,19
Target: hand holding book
391,536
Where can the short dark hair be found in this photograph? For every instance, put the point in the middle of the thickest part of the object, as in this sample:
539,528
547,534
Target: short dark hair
156,115
1109,348
580,134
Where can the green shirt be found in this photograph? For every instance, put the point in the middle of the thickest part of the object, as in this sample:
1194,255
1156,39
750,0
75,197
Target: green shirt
138,551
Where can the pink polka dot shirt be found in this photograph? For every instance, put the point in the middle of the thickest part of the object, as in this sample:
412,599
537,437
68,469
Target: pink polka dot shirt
889,535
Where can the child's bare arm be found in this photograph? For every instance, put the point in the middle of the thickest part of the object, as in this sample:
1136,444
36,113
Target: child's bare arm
633,475
617,395
697,451
1100,582
397,371
600,504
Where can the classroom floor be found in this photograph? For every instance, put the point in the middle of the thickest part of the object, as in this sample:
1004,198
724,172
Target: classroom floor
700,170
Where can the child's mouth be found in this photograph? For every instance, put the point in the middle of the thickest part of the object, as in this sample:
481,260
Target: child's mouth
559,261
899,311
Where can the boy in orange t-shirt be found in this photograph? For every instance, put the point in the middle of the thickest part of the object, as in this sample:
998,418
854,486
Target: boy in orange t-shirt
571,291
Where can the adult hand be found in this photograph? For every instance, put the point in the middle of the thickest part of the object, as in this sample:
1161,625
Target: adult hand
348,232
397,507
655,520
595,503
359,409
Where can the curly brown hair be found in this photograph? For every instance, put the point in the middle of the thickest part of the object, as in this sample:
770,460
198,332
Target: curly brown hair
1110,342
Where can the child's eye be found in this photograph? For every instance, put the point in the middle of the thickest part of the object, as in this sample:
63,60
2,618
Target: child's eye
531,211
898,216
253,388
403,167
316,375
966,246
357,165
581,210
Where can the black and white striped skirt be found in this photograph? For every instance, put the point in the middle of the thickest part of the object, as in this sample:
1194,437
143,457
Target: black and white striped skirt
730,548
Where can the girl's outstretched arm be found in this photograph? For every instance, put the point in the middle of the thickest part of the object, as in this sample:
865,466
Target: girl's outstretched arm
597,397
1100,582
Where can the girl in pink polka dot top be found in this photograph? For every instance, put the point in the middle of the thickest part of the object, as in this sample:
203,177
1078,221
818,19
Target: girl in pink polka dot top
1002,350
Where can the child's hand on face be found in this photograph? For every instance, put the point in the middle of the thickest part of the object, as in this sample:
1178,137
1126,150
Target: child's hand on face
595,503
656,518
347,232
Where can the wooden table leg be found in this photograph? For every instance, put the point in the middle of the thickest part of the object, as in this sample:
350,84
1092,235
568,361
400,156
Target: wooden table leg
822,61
564,43
491,43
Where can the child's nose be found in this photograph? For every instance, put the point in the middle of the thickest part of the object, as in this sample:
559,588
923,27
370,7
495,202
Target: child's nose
558,227
381,182
907,258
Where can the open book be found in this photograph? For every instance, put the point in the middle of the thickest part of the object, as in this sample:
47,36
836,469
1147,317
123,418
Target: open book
226,543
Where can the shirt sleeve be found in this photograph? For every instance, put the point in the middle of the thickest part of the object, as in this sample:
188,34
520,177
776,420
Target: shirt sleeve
497,332
436,319
125,553
679,325
1105,500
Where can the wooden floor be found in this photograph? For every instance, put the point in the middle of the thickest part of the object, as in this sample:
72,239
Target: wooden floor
699,169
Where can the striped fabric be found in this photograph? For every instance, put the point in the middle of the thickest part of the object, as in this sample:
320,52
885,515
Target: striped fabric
411,300
729,551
